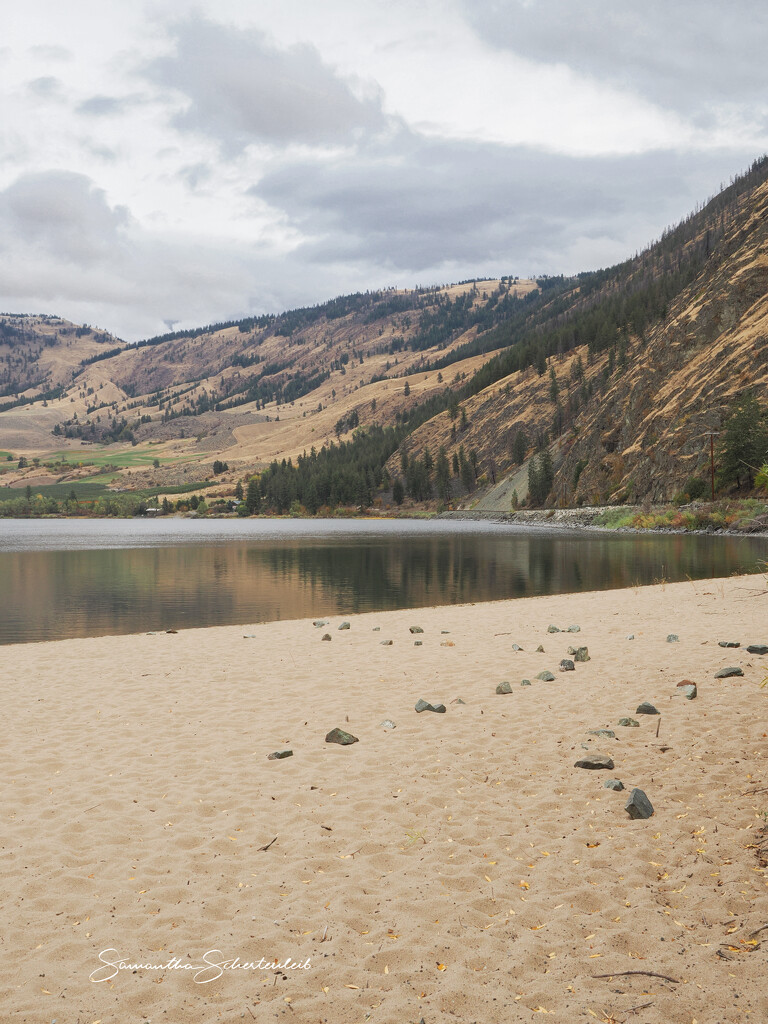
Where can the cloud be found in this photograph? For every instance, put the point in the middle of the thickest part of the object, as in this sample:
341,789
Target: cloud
61,212
423,204
242,89
46,87
686,56
106,106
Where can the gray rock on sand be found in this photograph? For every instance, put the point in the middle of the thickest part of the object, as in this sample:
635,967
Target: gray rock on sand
504,687
553,629
595,761
630,723
525,682
638,805
646,708
376,629
673,638
566,665
320,622
630,636
689,692
415,629
757,649
279,755
615,784
539,649
342,737
326,636
344,625
732,670
579,653
418,643
547,677
386,643
573,629
728,643
423,705
387,724
516,647
611,735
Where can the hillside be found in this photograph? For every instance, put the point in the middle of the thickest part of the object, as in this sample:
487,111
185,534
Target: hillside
619,372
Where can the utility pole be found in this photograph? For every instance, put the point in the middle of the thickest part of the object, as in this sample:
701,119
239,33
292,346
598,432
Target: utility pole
712,434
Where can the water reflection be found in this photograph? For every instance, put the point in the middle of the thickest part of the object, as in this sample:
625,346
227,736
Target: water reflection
52,594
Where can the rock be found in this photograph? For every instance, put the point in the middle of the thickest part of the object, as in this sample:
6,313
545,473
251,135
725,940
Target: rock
673,638
539,649
377,629
630,636
344,625
418,643
689,692
638,805
326,636
728,643
516,647
279,755
757,649
423,705
631,723
732,670
342,737
553,629
459,701
615,784
415,629
444,631
386,643
566,665
320,622
171,631
387,724
504,687
574,629
603,732
580,653
646,708
595,761
526,682
546,676
447,643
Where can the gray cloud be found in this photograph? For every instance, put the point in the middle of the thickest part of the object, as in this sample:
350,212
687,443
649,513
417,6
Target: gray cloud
685,56
58,54
106,106
65,250
46,87
61,212
431,203
242,89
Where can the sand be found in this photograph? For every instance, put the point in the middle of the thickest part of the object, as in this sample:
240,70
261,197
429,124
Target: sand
458,867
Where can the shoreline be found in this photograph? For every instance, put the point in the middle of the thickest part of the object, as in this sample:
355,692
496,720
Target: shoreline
458,864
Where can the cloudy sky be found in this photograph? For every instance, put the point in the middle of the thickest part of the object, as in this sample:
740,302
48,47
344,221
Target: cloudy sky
165,163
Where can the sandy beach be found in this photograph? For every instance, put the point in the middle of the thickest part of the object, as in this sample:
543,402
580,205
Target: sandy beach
456,867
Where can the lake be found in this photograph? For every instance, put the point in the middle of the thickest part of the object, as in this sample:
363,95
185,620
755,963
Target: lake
73,578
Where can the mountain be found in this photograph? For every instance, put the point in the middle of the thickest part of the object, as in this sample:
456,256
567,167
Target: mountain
619,374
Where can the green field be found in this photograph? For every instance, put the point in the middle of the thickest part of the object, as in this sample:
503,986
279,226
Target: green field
90,488
110,456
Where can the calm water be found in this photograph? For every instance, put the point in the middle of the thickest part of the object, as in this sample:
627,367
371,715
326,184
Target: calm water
65,578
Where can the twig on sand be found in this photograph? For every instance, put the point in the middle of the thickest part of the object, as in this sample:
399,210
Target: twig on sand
263,849
648,974
658,726
642,1006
